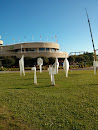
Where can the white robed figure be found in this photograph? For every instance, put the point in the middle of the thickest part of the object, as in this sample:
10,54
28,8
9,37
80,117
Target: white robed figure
66,66
95,65
56,64
21,65
53,69
35,77
40,63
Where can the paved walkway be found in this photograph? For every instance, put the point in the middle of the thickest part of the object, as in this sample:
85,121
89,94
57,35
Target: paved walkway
91,68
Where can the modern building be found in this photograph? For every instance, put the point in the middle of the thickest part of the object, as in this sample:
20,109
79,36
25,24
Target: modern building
1,42
32,49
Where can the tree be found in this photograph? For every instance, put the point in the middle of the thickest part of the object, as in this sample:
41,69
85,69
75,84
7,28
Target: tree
83,59
45,60
51,61
28,62
71,59
79,58
16,61
8,62
0,63
90,55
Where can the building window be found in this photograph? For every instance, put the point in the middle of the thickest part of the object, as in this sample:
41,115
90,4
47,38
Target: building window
53,50
17,50
41,49
31,49
47,49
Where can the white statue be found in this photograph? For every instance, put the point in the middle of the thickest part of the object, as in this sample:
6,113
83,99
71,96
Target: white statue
53,69
35,77
66,66
95,65
21,65
56,64
40,63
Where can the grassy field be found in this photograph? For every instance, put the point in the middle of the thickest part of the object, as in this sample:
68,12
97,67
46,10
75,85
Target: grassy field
70,105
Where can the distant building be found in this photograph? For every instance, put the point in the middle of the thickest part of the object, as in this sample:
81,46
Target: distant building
1,42
32,49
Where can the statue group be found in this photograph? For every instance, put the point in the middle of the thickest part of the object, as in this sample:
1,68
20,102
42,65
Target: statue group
53,69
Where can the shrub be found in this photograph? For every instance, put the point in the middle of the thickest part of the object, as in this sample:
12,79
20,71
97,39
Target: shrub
51,61
8,61
1,69
0,63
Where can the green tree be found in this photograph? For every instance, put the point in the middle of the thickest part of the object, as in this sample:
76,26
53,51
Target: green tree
29,62
51,60
71,59
90,55
45,60
16,61
0,63
8,62
86,58
79,59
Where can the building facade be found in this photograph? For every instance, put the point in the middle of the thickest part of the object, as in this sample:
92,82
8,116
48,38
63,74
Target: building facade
1,42
33,50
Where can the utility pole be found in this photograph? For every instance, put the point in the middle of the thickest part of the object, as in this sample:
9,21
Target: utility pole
91,36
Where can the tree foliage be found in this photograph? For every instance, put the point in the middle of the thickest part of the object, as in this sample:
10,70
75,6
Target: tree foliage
29,62
51,61
0,63
71,59
86,57
45,60
8,62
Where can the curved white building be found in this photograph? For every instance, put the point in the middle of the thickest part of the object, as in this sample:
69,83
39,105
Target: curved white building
1,42
33,49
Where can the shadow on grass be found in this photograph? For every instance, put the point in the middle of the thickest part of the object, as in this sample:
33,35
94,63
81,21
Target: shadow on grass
31,86
43,78
71,75
47,86
26,79
93,84
17,88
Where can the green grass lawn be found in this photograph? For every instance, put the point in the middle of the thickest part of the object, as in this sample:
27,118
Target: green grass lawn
72,104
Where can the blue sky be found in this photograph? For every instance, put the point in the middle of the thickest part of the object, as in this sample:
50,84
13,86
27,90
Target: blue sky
27,20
